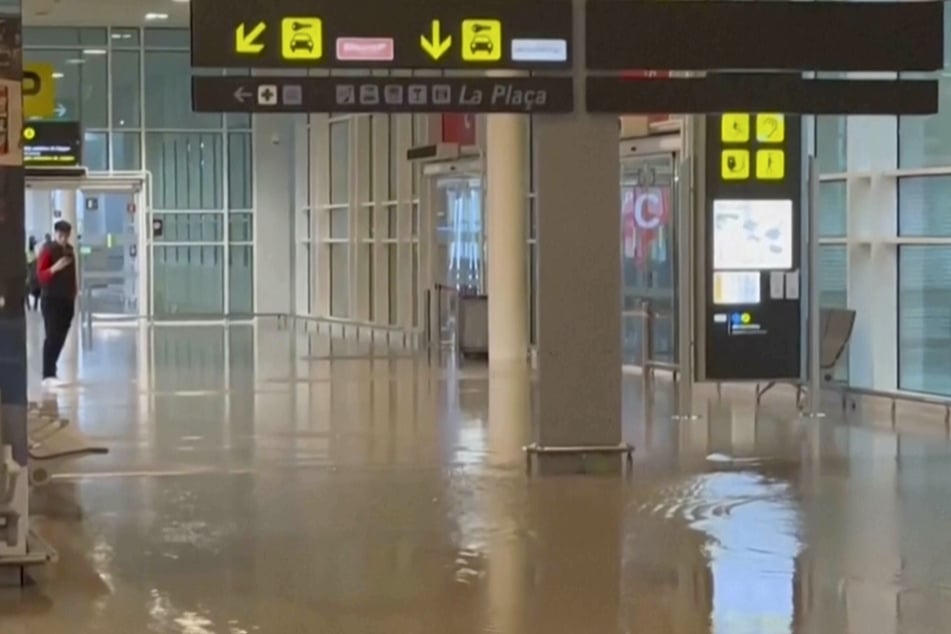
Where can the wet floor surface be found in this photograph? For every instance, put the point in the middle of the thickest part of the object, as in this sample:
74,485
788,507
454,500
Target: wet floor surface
266,482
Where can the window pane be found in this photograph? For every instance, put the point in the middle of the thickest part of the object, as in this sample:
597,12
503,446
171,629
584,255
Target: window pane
167,38
95,155
393,290
832,209
240,174
188,280
924,206
168,102
126,153
81,90
339,162
925,141
126,89
830,143
394,157
57,36
241,281
186,170
185,227
125,38
339,280
240,227
924,318
339,223
832,276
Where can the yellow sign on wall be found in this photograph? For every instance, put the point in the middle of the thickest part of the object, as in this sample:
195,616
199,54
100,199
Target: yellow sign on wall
770,128
770,165
39,91
735,165
735,128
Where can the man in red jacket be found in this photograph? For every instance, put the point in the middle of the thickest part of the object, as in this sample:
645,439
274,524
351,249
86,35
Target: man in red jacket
56,269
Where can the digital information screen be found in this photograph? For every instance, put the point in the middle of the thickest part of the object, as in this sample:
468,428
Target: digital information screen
752,235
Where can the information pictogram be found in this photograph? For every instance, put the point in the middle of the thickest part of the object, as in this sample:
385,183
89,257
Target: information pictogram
302,38
770,128
735,165
770,165
735,128
481,40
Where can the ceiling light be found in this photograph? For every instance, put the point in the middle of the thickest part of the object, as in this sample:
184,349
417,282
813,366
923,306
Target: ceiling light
58,75
156,16
94,51
122,36
75,60
181,1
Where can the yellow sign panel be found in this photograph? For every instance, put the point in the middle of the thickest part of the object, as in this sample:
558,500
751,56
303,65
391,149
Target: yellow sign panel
735,165
770,128
39,91
770,165
302,38
247,41
481,40
434,45
735,128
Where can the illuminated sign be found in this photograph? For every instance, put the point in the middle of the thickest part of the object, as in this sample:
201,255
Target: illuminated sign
526,95
529,34
52,144
39,91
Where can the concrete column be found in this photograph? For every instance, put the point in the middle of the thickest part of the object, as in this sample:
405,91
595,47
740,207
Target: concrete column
273,143
577,176
506,228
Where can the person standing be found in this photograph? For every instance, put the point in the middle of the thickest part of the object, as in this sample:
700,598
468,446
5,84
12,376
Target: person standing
32,280
56,269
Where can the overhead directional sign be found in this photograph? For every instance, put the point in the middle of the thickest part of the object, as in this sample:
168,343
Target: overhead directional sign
525,95
822,35
527,34
39,91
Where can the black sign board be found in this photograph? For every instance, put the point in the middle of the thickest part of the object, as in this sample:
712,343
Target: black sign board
753,184
820,36
529,34
526,95
763,93
52,144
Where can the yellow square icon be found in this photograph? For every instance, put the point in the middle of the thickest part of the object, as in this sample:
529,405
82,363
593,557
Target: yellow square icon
770,165
735,128
770,128
735,165
302,38
481,40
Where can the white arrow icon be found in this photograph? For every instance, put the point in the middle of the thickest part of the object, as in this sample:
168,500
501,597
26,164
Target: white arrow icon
242,93
60,110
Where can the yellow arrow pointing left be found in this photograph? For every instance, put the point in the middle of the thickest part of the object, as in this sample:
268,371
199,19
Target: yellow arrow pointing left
247,41
435,46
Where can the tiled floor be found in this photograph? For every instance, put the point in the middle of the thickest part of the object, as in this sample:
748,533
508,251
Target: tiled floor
264,482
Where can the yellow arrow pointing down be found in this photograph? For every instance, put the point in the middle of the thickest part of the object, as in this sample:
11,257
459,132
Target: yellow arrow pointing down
245,42
434,46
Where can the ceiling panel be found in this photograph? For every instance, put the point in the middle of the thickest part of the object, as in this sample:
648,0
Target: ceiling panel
103,12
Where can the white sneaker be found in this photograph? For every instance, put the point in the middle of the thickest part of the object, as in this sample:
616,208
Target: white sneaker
52,383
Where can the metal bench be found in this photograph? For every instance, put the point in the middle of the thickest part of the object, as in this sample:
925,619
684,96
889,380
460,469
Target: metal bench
835,328
54,442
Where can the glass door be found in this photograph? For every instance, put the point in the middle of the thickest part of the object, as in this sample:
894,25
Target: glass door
108,242
460,245
648,210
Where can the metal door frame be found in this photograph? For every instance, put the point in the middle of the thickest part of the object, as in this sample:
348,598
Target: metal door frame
140,184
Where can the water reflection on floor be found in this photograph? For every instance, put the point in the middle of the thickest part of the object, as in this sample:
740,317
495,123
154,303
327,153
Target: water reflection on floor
277,483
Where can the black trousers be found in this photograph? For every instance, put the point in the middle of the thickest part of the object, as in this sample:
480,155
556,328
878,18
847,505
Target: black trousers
57,318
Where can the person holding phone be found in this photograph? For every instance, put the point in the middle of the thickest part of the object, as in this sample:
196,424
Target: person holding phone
56,269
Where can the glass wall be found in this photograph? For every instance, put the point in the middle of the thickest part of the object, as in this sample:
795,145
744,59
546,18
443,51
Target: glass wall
358,233
130,88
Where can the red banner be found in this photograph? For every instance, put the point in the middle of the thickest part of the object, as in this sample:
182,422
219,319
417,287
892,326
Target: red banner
459,128
645,211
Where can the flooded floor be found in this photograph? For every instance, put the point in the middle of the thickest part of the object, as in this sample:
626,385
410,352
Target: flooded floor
266,482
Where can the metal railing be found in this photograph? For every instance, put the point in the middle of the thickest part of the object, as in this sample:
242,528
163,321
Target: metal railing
899,396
